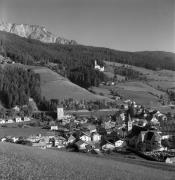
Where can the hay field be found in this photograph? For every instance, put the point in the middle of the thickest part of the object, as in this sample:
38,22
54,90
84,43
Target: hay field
25,132
21,162
54,86
162,78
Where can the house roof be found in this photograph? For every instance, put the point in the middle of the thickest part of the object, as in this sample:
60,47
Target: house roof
86,134
80,142
71,138
91,127
60,138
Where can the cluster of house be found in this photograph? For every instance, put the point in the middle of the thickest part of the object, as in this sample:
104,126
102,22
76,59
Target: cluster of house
119,132
17,119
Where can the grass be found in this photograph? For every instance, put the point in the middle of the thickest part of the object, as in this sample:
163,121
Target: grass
98,113
164,78
25,132
20,162
146,92
134,90
54,86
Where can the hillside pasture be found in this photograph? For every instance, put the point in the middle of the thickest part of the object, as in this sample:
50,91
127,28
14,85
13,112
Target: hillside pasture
140,87
135,90
54,86
140,97
162,78
24,132
21,162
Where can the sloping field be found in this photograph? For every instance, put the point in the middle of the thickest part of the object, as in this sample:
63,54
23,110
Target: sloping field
137,86
145,92
135,90
162,78
140,92
24,132
140,97
54,86
20,162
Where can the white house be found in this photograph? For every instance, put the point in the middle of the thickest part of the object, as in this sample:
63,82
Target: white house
26,118
71,139
122,116
16,108
34,138
18,119
170,160
60,113
92,128
81,145
154,121
96,137
54,128
2,121
120,143
108,146
3,139
86,137
15,139
166,136
9,121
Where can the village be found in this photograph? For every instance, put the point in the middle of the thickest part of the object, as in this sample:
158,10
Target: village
131,128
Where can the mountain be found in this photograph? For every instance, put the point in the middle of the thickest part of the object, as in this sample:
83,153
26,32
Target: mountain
29,51
34,32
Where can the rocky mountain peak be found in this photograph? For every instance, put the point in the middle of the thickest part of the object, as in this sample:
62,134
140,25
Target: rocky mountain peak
34,32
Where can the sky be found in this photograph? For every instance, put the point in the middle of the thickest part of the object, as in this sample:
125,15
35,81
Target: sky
130,25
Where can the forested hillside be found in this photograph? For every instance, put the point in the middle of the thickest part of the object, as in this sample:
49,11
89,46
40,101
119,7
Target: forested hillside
17,85
77,61
29,51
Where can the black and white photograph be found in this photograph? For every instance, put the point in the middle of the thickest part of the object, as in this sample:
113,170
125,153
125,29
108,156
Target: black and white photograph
87,89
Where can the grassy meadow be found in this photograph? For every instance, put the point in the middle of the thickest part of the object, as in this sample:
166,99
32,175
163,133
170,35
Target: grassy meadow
25,132
21,162
143,92
55,86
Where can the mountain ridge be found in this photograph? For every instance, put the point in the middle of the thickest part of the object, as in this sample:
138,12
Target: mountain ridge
34,32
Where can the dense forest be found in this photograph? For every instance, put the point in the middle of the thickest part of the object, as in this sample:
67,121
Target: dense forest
29,51
17,85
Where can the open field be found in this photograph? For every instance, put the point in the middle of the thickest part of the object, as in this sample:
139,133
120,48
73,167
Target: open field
21,162
134,90
146,92
25,132
98,113
54,86
162,78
